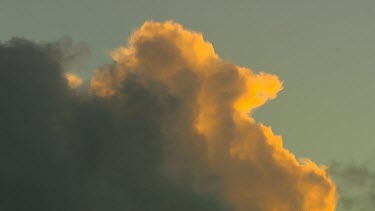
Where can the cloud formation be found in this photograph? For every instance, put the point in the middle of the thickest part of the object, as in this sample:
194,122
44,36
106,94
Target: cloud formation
357,185
166,126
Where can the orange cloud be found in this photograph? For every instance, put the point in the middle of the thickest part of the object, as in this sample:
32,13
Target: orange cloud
211,130
73,80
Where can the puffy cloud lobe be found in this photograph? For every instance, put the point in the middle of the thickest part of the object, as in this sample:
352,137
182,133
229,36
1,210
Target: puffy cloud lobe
167,126
73,80
252,170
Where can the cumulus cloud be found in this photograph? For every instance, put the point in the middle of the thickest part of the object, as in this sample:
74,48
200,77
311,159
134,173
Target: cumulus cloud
166,126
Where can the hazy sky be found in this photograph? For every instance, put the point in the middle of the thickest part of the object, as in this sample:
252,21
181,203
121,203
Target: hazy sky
322,50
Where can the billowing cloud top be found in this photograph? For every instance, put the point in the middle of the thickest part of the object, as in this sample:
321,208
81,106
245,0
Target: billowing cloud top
167,126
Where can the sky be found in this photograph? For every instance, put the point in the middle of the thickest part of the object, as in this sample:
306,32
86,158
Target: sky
320,50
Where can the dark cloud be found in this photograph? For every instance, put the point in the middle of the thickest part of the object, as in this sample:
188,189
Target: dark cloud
356,185
66,150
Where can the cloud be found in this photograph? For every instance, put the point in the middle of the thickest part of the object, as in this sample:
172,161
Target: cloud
166,126
63,151
356,185
73,80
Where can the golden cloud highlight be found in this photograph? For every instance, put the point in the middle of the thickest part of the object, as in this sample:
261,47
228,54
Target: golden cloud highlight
73,80
211,131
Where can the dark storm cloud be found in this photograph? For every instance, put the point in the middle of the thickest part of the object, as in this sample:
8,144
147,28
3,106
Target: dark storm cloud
65,150
356,185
